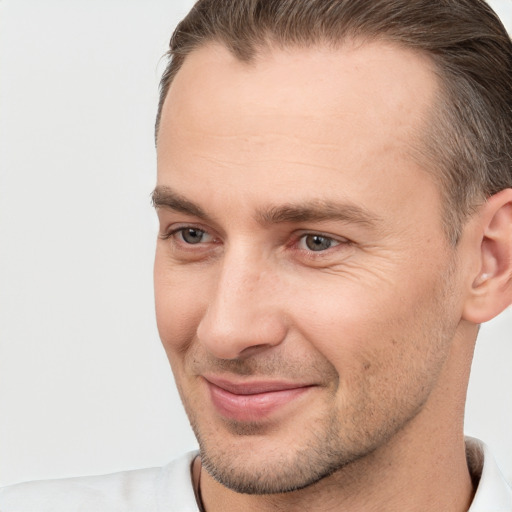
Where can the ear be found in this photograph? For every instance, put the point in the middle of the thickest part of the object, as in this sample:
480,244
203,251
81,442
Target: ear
491,290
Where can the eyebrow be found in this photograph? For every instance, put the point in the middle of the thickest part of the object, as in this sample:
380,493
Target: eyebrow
164,197
308,211
317,211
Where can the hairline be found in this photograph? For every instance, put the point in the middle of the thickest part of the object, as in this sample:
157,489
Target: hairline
423,139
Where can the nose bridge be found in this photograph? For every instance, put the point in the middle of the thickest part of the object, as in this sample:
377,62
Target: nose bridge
242,313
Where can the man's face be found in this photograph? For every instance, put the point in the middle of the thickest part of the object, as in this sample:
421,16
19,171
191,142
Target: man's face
305,291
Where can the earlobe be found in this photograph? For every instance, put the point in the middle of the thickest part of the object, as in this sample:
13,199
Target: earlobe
491,290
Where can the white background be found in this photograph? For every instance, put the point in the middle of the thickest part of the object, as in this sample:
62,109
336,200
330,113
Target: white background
84,385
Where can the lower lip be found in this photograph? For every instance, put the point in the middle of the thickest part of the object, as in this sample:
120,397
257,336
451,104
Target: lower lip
252,407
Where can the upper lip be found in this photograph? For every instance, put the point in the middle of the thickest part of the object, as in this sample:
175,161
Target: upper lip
253,387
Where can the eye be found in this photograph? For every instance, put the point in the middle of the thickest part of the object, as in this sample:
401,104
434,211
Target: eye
317,243
193,235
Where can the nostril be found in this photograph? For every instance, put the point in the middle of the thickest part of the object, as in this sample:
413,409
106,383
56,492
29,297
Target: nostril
253,350
228,336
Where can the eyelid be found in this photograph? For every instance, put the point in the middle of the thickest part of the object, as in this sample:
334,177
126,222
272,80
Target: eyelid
302,239
339,243
335,238
169,232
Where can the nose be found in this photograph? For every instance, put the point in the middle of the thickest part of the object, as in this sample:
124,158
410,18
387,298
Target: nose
243,316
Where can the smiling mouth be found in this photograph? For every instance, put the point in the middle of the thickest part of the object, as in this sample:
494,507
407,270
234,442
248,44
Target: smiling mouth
252,401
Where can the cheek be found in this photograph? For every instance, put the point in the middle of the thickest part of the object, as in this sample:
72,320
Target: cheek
367,329
179,299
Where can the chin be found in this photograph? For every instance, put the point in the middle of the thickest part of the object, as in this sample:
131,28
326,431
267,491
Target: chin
269,475
256,460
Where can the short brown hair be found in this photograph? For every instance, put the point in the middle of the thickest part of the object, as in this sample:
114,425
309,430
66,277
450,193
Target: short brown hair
469,139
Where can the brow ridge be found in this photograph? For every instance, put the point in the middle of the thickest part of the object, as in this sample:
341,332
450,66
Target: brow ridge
165,197
317,211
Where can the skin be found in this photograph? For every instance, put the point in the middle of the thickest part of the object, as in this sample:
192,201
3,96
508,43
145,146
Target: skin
257,159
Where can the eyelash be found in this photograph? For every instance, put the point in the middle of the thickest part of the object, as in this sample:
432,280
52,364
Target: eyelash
293,244
171,233
317,256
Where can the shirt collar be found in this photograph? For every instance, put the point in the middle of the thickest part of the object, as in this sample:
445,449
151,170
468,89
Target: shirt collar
493,494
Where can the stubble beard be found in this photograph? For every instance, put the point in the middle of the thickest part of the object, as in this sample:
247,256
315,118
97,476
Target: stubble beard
255,465
331,441
318,451
275,471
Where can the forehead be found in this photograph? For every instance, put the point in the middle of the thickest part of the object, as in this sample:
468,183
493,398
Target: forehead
375,82
296,118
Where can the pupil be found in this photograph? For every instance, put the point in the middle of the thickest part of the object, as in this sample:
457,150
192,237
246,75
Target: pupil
192,236
317,243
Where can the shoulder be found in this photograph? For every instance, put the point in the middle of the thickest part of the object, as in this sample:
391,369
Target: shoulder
167,488
493,492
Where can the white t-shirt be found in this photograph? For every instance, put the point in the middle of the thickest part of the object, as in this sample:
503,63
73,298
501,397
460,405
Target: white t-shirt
169,489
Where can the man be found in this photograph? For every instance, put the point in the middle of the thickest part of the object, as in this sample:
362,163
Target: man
334,194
